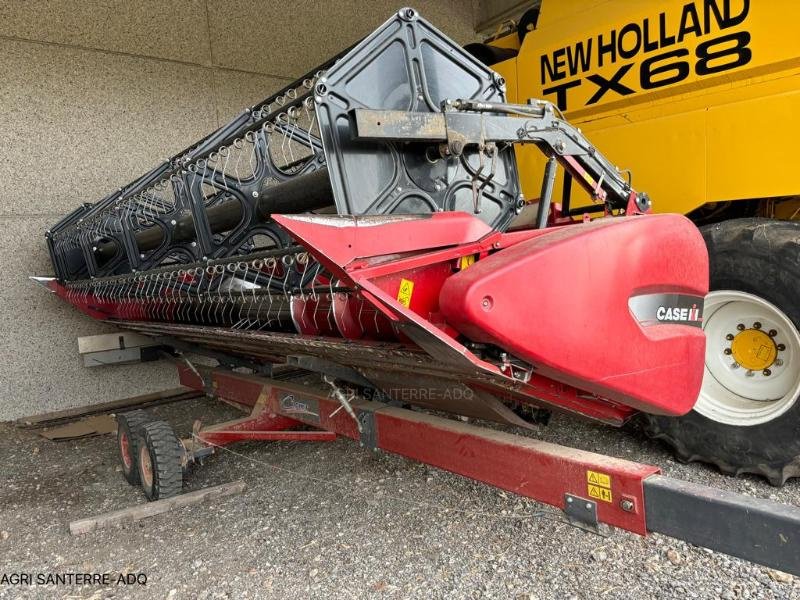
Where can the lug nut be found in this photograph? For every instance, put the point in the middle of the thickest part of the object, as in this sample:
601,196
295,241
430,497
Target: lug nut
729,337
781,347
772,333
756,325
749,373
740,327
727,351
735,365
766,372
778,362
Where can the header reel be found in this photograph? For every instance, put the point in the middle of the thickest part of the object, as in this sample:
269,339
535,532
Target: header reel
352,205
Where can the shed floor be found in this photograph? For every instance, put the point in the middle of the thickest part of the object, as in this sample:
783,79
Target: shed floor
331,520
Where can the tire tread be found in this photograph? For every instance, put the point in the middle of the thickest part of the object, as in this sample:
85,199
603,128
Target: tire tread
763,250
166,453
132,421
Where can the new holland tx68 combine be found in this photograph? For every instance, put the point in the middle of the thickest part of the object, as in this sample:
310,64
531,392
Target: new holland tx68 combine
356,249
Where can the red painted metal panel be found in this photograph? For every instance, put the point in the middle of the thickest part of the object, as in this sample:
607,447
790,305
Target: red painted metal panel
528,467
320,408
222,437
189,378
236,389
344,240
524,466
560,302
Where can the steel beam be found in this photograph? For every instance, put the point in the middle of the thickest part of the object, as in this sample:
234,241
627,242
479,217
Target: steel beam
222,437
532,468
757,530
591,488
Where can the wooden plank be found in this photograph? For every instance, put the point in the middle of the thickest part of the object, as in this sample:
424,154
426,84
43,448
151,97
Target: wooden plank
71,414
142,511
83,428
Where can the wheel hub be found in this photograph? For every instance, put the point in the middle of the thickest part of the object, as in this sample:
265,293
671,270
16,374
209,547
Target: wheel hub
147,467
754,349
124,449
752,372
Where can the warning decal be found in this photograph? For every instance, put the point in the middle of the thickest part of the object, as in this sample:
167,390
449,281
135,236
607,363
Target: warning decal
405,291
466,261
599,493
600,479
599,486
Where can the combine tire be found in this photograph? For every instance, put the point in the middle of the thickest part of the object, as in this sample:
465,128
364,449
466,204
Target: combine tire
128,425
747,417
160,461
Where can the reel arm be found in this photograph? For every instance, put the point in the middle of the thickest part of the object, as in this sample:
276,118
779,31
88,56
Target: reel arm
466,123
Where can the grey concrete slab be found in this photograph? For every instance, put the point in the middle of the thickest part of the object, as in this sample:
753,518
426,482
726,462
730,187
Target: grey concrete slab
172,29
290,37
23,253
234,91
77,124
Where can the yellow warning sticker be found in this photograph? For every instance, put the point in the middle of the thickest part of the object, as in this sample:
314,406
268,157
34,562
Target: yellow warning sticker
595,491
465,262
598,485
600,479
405,291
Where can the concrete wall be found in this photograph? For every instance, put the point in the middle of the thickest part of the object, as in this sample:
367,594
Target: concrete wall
490,13
93,93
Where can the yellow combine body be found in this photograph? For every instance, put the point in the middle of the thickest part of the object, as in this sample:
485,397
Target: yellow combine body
709,88
699,100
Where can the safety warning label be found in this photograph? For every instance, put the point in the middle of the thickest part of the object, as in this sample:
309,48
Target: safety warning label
405,291
599,486
595,491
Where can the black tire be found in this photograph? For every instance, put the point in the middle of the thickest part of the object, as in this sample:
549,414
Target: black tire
160,461
760,257
128,426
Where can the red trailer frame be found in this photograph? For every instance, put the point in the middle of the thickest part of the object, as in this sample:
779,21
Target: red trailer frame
592,489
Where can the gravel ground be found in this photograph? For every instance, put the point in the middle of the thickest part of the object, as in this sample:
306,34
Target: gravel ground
334,521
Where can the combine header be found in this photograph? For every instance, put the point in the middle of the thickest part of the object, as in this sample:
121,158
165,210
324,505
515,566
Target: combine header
363,230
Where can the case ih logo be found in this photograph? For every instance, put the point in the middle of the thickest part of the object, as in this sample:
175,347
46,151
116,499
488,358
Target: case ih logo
660,309
671,314
308,407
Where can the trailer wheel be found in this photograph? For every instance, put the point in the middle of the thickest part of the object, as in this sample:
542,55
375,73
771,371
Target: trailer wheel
160,460
747,417
128,425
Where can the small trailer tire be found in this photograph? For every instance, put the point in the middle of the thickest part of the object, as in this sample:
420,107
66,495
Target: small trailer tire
128,425
160,461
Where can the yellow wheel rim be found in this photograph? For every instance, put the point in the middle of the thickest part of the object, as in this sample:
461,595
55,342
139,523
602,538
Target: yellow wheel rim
754,350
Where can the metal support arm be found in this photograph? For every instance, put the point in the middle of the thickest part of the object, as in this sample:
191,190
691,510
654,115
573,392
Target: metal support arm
472,123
